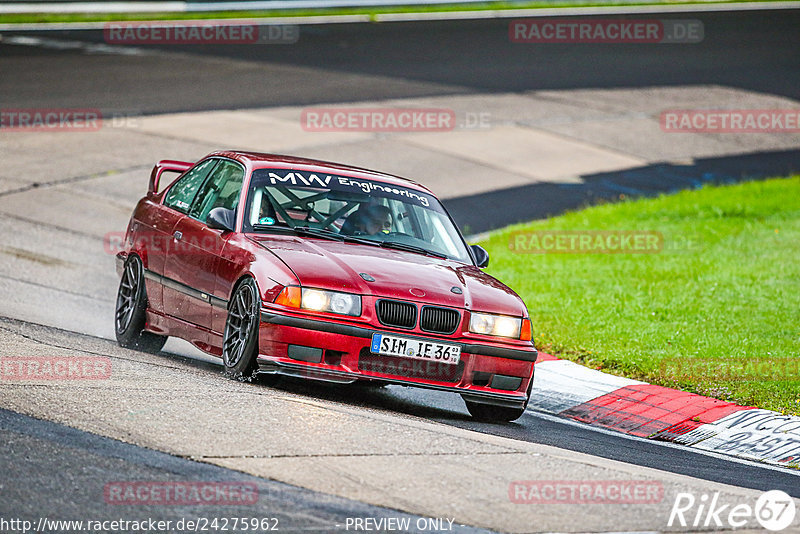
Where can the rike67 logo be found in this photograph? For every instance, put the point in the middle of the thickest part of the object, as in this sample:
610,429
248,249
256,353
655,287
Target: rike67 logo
774,510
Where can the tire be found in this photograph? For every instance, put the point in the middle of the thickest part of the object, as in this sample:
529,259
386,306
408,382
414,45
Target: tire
493,414
240,340
369,384
497,414
130,314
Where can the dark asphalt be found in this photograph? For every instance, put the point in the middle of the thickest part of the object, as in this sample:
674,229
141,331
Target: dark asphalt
59,473
756,50
335,63
533,427
51,468
502,207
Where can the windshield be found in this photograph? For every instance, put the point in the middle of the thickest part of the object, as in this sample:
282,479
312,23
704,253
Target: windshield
373,212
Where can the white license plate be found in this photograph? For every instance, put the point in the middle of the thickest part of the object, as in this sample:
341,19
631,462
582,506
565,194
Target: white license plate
415,348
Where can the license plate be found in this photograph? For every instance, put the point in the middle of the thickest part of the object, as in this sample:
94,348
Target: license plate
419,349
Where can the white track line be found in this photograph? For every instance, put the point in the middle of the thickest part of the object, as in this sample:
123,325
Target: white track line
392,17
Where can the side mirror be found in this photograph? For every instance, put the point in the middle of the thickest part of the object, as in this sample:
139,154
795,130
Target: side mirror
221,219
481,256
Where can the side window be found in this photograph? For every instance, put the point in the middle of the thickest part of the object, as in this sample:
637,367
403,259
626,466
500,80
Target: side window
182,193
222,189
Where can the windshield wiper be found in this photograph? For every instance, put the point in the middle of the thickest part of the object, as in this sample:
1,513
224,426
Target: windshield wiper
411,248
335,236
363,241
280,228
317,232
302,230
330,234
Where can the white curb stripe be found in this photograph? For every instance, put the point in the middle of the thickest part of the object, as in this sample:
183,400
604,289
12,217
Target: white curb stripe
752,434
560,384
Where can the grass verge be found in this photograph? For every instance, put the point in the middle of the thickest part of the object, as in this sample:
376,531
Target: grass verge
371,12
715,311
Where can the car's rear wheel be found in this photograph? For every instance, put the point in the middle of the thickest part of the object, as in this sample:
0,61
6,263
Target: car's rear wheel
240,340
130,315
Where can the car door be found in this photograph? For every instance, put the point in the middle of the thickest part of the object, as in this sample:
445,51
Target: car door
193,257
160,224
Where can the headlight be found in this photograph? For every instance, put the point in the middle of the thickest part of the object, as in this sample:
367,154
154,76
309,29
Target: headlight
320,300
330,301
495,325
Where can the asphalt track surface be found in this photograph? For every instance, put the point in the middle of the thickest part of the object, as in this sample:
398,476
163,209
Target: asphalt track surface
337,63
56,471
758,51
541,428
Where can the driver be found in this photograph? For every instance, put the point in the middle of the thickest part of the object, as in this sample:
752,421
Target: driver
374,219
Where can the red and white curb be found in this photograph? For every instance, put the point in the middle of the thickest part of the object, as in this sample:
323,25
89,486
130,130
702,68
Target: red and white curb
569,390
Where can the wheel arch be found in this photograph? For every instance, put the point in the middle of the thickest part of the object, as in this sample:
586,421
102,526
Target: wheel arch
244,276
135,254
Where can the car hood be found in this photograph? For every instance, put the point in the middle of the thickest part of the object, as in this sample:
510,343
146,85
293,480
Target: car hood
398,274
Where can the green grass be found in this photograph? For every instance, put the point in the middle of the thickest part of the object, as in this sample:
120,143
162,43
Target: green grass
728,298
372,12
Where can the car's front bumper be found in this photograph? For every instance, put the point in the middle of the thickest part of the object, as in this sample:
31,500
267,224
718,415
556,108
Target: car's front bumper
339,352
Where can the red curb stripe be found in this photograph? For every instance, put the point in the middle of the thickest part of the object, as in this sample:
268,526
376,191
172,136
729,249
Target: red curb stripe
545,358
644,410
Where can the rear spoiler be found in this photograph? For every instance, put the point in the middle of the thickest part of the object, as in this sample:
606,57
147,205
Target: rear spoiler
166,165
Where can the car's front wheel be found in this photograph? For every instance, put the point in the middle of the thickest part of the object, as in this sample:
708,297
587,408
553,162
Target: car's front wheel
497,414
131,311
493,414
240,341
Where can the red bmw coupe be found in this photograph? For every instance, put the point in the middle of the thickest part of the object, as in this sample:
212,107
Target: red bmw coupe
306,268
